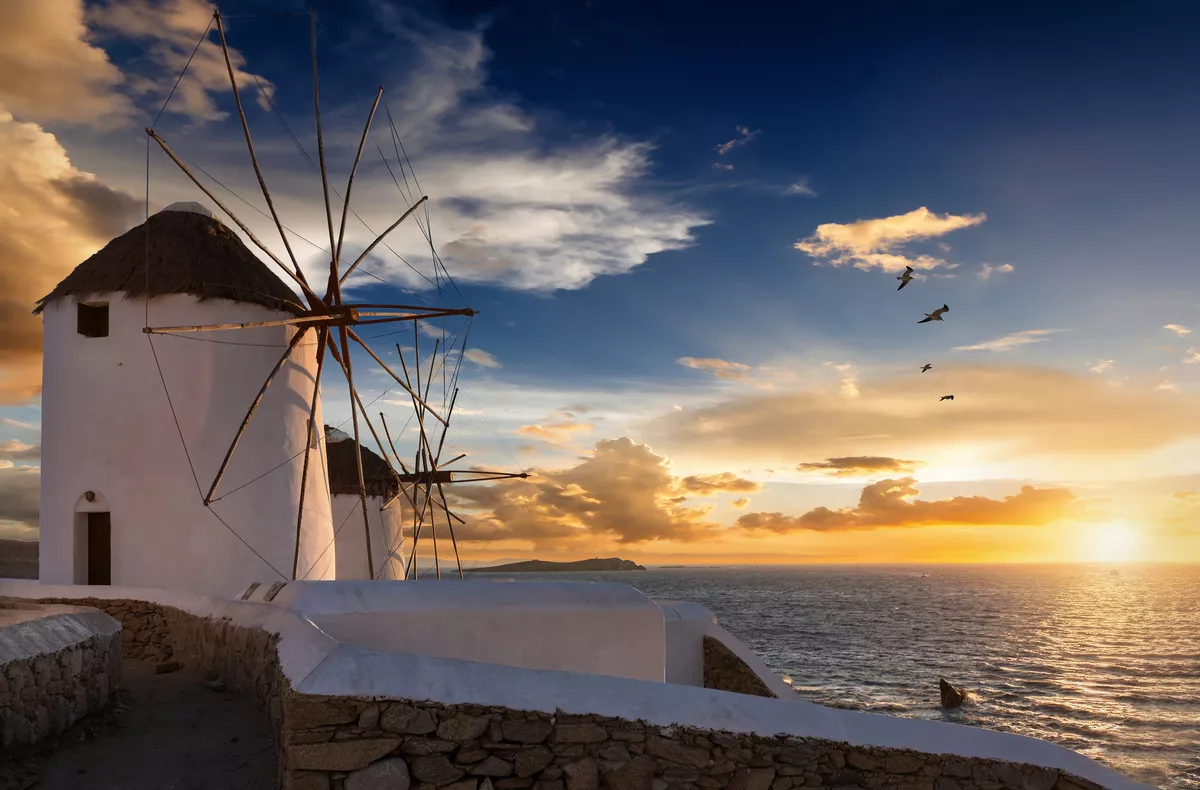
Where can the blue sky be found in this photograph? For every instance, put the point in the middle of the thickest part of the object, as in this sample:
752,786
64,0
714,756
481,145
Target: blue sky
620,189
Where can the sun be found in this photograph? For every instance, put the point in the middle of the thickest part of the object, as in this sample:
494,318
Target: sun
1115,541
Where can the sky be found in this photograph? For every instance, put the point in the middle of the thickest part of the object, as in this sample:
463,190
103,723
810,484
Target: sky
682,226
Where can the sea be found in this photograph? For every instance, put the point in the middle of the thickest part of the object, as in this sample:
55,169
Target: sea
1102,659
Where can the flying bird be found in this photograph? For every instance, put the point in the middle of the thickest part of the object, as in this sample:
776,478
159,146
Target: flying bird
905,278
936,315
946,397
926,367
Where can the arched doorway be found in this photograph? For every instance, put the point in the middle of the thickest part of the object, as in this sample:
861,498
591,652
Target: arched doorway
93,540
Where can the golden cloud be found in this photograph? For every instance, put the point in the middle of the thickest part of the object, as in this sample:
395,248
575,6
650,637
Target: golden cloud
722,369
556,432
740,502
52,216
20,501
623,491
1024,408
893,503
1011,341
715,484
848,466
875,243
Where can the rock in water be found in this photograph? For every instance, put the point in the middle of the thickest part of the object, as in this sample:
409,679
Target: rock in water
952,696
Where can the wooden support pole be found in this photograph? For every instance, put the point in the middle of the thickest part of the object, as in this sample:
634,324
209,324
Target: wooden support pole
381,237
450,526
237,99
322,339
208,498
312,19
314,300
337,255
388,370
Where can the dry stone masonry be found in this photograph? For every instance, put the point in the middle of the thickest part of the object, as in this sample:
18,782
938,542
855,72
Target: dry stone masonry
335,743
724,671
43,694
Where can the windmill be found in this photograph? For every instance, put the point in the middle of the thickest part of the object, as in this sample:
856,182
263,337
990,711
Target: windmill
331,320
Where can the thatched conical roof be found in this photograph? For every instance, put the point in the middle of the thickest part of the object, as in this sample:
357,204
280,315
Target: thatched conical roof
343,471
184,252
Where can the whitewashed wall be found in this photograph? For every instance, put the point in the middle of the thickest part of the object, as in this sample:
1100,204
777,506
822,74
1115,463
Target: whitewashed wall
602,629
387,538
107,427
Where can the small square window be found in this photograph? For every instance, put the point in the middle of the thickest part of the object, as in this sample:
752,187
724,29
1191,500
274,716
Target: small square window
93,320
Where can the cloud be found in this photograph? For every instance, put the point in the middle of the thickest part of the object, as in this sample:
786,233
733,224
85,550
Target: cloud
740,503
1193,356
1009,342
1023,410
14,450
1178,329
481,358
988,269
624,491
744,136
800,188
1187,496
878,243
1103,366
515,204
556,432
859,465
52,217
51,72
721,166
849,378
722,369
167,32
893,503
704,485
1167,386
18,424
20,499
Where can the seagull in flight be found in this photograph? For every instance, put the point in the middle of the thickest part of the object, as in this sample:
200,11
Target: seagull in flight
936,315
905,278
946,397
926,367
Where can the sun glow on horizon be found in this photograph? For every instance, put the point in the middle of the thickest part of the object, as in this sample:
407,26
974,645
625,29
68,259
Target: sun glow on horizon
1115,541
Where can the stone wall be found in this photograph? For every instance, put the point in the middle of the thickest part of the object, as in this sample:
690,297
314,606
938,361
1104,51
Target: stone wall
43,695
724,671
245,659
357,744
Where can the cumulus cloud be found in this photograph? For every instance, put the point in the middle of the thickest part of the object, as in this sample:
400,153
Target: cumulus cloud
512,206
1102,366
893,503
52,217
481,358
800,188
744,136
740,503
1026,409
988,269
168,32
1009,342
854,465
879,243
623,491
1178,329
722,369
50,71
1192,357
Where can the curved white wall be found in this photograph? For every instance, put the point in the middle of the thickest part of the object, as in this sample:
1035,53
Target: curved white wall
107,427
387,538
591,627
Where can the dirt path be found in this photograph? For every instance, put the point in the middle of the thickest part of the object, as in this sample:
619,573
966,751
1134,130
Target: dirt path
166,732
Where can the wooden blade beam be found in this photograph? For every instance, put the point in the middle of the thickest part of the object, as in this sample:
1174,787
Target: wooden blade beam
381,237
337,255
208,498
362,485
237,98
313,299
390,372
312,23
338,317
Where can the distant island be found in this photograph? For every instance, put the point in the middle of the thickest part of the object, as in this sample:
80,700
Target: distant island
544,566
18,559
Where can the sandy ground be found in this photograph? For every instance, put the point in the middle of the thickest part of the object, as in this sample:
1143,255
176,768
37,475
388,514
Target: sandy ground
165,732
